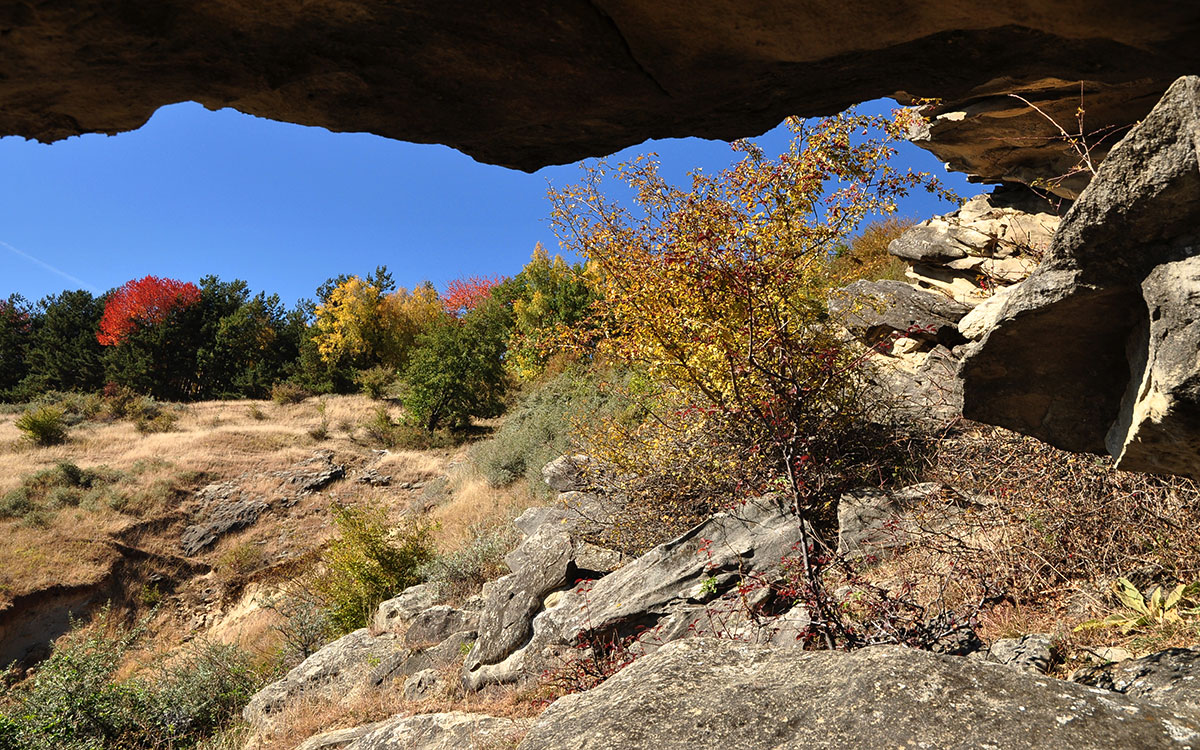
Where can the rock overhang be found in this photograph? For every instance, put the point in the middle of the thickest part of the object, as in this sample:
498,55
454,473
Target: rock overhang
530,83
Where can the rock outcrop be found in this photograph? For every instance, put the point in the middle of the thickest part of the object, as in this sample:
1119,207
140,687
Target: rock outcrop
332,671
448,731
713,693
1170,678
993,241
1031,653
668,592
536,82
877,312
1097,350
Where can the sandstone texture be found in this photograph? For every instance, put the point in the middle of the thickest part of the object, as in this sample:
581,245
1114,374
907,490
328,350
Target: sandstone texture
534,82
1097,350
993,241
714,693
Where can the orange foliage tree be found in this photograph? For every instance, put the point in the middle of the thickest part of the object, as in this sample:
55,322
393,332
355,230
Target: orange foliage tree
145,301
464,295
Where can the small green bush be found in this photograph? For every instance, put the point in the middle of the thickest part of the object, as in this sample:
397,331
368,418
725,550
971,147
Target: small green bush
163,421
381,430
76,702
540,427
320,431
43,425
376,382
367,563
49,490
16,503
288,393
465,570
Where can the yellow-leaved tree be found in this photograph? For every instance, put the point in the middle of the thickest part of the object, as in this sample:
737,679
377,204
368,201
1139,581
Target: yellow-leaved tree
717,291
360,322
552,306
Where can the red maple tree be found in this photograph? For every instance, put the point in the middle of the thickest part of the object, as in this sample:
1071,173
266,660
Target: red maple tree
143,301
464,295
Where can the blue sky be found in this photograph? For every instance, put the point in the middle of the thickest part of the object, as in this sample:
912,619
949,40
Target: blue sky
284,207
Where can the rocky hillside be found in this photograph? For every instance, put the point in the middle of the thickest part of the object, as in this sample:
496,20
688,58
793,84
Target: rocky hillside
701,639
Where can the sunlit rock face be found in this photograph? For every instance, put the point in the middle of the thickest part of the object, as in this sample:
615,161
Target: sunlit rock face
1097,349
526,83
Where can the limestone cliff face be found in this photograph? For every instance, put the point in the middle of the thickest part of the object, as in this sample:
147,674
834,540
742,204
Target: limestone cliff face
527,83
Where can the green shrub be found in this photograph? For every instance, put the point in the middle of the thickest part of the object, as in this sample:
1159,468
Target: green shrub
163,421
76,702
303,625
381,430
320,431
288,393
16,503
119,400
63,485
43,425
465,570
376,381
63,497
540,427
367,563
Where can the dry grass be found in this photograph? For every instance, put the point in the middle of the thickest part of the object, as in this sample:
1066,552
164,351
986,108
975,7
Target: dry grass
212,441
475,507
413,466
1050,533
304,718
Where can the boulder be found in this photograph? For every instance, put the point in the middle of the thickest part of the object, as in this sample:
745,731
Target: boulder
449,731
436,624
337,739
718,693
665,591
875,311
1170,678
399,611
1096,350
331,672
408,662
1031,653
565,473
542,564
421,685
877,523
